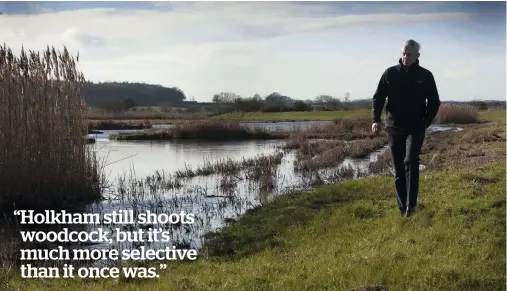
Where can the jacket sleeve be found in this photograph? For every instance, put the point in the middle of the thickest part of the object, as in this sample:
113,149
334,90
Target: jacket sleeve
379,98
433,101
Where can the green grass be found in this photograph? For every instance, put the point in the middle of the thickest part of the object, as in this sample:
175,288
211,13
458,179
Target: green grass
349,235
294,116
492,115
488,115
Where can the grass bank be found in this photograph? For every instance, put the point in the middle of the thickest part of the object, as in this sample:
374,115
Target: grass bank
202,130
492,115
294,116
457,242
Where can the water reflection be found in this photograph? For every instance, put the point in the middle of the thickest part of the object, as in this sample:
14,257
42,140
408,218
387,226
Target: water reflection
285,126
147,156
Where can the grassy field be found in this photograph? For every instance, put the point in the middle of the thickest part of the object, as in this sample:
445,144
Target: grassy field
493,115
123,122
497,115
350,236
294,116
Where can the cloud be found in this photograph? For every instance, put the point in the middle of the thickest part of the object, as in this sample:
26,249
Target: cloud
82,39
245,47
197,22
457,73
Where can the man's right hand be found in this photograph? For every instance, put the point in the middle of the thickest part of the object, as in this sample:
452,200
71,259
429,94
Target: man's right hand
375,127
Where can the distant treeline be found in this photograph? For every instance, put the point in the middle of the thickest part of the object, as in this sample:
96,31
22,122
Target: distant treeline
276,102
113,96
110,94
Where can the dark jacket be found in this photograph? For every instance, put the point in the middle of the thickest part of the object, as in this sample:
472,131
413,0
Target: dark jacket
412,97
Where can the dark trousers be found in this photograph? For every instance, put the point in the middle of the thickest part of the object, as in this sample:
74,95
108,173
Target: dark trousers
405,146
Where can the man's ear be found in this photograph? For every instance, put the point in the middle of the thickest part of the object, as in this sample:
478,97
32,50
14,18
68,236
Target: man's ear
418,55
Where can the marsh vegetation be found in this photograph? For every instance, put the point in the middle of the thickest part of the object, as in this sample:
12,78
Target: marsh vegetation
247,185
43,161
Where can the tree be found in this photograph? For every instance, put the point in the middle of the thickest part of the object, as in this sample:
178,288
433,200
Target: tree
257,97
225,97
346,99
248,104
129,103
324,99
216,98
328,102
142,94
301,106
276,102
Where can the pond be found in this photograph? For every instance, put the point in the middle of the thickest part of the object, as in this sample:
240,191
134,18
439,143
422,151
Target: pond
128,163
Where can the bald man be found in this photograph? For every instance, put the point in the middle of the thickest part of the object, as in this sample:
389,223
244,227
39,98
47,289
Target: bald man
412,104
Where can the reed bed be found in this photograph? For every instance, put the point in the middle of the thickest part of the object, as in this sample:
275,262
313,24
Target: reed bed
457,114
164,193
118,124
295,141
44,163
345,129
319,155
346,173
486,136
202,130
383,166
254,167
228,184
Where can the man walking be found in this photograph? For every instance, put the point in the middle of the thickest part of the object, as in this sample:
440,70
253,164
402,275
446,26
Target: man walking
412,104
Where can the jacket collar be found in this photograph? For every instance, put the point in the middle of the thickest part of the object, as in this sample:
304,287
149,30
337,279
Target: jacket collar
416,64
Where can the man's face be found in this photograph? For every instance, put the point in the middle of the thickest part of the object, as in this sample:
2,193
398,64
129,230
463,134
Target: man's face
409,55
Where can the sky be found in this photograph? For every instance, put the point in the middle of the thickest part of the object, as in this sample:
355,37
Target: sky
298,49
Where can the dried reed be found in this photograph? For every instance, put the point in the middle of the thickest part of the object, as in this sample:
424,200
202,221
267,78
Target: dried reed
44,163
457,114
